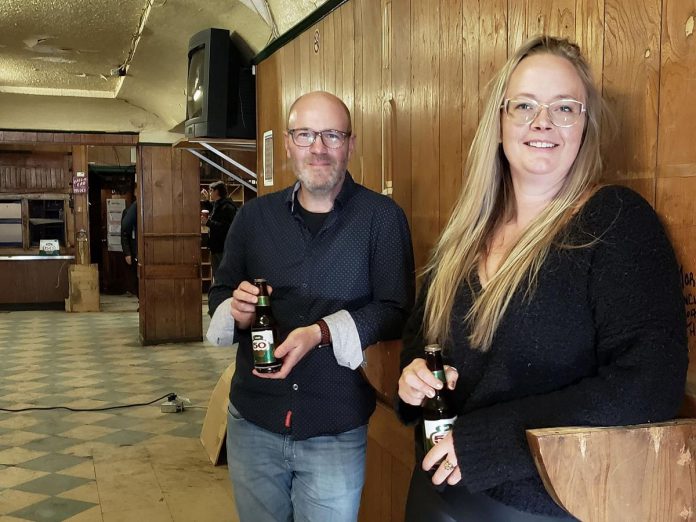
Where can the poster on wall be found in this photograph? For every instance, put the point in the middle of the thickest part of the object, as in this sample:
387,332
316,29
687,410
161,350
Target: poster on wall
268,158
79,183
114,212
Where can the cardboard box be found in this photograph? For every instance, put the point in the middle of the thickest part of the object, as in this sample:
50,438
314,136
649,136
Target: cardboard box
215,424
83,288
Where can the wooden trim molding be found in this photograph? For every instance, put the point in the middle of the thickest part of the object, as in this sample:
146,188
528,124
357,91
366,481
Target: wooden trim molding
69,138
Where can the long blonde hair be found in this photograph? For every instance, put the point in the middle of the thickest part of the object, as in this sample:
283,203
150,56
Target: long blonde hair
487,197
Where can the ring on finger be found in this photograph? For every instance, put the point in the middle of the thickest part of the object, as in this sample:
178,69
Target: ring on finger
448,465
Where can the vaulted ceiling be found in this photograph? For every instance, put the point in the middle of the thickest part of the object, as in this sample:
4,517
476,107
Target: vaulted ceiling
62,62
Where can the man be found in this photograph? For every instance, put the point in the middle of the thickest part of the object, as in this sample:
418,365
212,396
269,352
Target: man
218,222
129,241
339,261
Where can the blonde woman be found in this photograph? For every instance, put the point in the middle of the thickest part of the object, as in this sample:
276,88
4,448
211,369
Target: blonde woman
557,301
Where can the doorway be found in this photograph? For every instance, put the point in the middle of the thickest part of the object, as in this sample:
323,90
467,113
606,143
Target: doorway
111,191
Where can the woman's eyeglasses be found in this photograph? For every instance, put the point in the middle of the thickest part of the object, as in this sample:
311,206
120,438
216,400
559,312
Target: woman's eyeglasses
562,113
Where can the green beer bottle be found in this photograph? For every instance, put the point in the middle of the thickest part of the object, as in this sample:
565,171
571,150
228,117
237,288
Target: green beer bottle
438,416
263,332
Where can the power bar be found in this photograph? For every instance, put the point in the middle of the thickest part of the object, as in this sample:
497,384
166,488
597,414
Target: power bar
173,404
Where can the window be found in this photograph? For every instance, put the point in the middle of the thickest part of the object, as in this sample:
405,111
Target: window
11,224
27,219
46,221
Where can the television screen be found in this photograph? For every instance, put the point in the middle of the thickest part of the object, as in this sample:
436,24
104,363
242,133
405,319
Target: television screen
220,90
195,84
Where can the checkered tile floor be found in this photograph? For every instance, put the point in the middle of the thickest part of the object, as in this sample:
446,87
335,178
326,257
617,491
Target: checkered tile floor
116,465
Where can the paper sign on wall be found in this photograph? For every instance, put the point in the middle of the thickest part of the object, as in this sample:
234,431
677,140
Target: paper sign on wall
268,158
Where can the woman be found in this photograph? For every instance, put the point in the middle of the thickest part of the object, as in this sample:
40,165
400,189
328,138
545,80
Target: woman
557,301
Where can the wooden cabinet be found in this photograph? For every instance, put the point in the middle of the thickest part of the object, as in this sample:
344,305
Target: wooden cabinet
169,246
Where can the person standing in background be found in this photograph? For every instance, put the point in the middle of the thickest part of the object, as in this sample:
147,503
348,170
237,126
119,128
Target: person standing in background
129,238
218,222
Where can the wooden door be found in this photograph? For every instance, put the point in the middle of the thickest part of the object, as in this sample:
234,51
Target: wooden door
169,249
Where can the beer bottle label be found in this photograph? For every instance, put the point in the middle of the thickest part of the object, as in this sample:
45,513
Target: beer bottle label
435,431
263,345
264,300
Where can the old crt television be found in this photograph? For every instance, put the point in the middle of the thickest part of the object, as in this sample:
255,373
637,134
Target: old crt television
220,90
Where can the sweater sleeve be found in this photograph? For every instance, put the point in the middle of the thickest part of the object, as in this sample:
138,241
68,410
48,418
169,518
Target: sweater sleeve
128,225
391,276
641,349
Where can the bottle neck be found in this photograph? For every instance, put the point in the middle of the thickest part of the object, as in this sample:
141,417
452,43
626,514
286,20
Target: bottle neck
434,363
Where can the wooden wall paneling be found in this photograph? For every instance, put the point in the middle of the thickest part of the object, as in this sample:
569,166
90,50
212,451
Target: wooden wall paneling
372,95
295,58
270,82
529,18
347,60
676,157
675,197
400,67
109,154
178,221
589,35
287,81
289,90
676,151
316,42
44,281
387,105
451,94
304,41
335,59
16,137
390,462
471,90
493,30
356,165
144,213
425,129
328,53
162,204
631,65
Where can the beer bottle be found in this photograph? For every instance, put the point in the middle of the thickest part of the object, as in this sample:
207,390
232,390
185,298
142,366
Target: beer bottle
438,416
263,332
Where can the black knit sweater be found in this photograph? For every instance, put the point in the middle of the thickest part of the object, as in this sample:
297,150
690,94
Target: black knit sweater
601,341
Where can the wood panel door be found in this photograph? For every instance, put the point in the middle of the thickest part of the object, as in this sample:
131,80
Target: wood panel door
169,245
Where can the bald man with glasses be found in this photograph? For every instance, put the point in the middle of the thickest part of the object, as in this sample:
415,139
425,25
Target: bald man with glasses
339,261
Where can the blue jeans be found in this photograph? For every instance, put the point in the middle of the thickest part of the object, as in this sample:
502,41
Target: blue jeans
278,479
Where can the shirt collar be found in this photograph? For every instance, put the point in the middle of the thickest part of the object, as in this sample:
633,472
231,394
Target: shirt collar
347,191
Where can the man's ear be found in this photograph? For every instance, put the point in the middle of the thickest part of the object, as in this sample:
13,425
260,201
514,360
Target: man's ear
286,142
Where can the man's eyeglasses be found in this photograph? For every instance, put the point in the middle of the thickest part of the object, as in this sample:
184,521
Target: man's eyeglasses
562,113
332,139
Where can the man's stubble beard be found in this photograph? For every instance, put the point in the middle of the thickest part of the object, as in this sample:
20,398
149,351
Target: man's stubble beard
307,180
